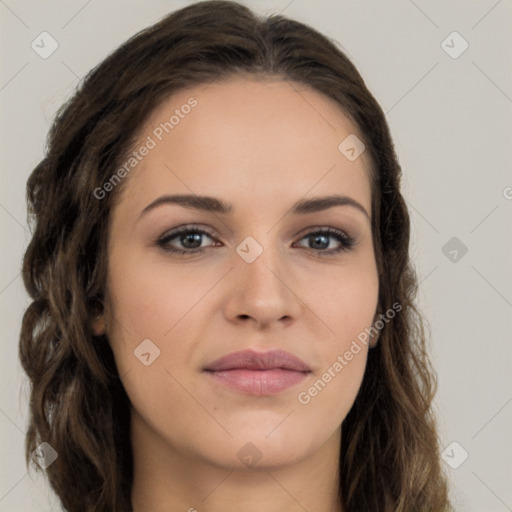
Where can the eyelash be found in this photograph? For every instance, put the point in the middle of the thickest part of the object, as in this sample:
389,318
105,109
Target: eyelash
346,241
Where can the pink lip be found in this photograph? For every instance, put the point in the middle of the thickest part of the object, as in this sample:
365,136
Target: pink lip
258,373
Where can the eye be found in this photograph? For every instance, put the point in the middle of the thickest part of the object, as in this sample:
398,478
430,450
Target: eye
190,239
319,241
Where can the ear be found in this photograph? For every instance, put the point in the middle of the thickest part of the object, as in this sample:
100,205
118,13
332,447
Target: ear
99,325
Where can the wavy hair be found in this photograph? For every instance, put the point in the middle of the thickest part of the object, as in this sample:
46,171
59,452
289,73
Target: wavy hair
389,454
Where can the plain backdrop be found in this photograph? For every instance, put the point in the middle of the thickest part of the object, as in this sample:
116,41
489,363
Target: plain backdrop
449,111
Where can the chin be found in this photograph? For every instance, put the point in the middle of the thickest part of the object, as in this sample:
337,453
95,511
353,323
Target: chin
250,458
252,451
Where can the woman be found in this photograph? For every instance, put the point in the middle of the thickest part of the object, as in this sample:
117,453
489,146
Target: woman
222,308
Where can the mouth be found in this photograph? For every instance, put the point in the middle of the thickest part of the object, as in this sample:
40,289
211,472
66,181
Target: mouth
258,373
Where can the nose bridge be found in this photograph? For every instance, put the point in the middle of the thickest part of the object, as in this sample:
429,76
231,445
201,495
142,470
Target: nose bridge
260,290
260,259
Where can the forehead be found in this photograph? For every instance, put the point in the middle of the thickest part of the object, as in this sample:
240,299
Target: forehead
243,139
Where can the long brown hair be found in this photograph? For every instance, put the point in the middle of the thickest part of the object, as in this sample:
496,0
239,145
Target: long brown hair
389,454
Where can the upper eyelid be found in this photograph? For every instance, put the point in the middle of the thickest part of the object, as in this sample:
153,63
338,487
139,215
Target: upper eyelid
185,229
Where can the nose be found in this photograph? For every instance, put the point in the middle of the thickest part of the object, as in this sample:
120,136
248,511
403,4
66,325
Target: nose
261,292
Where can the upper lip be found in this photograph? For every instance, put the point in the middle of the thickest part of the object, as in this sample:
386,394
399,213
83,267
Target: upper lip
252,360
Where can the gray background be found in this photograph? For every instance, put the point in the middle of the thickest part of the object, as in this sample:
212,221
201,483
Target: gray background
450,118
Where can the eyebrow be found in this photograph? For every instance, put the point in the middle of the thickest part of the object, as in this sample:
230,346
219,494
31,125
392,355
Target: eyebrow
215,205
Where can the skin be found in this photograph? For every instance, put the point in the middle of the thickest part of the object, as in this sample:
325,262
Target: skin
261,145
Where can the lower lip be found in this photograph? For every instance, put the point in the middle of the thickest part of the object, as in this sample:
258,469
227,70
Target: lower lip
258,382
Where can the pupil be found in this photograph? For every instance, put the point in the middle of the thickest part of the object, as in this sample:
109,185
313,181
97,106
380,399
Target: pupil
318,237
190,236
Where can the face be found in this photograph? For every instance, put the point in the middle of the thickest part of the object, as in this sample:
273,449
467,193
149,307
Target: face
286,289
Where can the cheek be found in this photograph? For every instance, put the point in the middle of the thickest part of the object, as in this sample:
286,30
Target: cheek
149,300
345,301
348,310
161,303
345,304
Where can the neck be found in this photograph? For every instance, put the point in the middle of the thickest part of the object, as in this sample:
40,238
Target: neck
166,479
